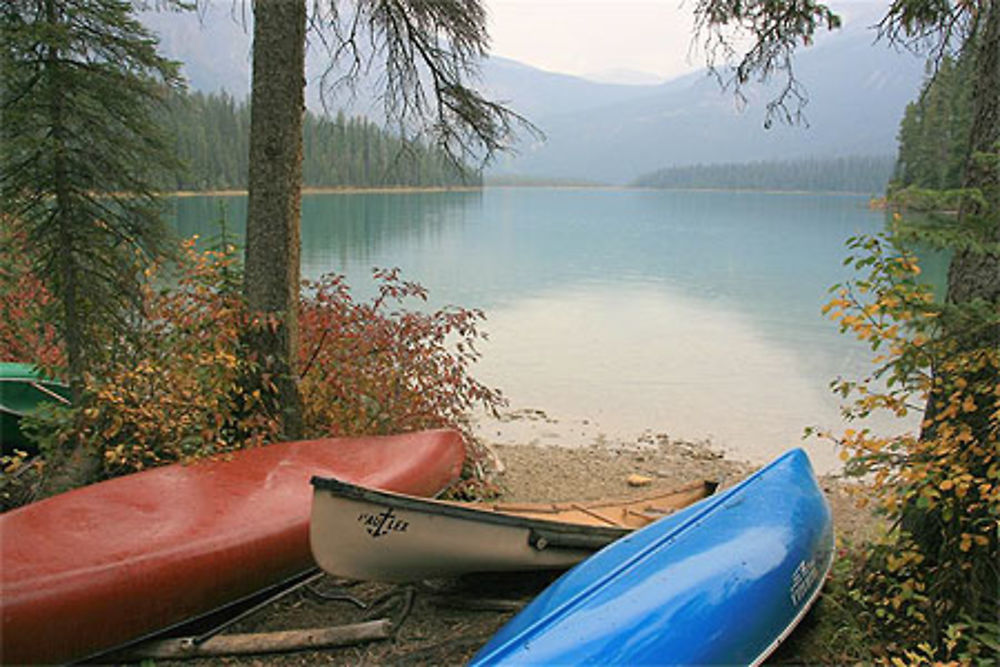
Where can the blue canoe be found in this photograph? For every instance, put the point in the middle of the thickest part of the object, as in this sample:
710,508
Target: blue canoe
721,582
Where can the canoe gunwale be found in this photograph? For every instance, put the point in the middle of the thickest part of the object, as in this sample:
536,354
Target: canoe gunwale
46,387
554,532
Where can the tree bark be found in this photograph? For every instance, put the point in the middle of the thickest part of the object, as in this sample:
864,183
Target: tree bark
974,274
271,282
77,464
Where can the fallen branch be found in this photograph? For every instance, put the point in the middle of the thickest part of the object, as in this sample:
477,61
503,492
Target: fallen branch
262,642
478,604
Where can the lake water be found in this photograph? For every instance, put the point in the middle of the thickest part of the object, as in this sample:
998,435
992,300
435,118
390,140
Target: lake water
618,312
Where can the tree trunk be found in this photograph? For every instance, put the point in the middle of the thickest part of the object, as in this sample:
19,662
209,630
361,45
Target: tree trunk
271,282
62,216
974,274
76,465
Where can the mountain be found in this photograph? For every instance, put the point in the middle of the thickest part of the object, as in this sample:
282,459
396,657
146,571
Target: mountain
212,45
857,93
628,77
538,94
608,132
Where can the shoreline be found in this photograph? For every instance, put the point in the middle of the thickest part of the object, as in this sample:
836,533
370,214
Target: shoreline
331,190
407,189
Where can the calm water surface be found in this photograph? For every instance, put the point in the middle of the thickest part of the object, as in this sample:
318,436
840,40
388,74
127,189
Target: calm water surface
695,314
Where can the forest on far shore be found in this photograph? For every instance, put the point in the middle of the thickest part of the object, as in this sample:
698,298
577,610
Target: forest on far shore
865,174
212,137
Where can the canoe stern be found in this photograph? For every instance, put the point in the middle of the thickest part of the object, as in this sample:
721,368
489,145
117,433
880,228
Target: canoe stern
723,581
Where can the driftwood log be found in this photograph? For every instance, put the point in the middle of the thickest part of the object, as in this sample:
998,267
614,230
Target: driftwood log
262,642
478,604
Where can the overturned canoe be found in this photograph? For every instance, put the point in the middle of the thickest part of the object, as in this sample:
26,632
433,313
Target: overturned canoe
22,390
101,566
364,533
722,582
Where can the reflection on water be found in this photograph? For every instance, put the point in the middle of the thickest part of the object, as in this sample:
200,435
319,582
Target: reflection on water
359,229
690,313
656,359
339,230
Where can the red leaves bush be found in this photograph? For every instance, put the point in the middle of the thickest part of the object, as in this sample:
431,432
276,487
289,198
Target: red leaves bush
25,333
377,368
174,390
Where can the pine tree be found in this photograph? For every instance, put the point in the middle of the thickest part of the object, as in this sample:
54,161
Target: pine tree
934,133
80,153
211,140
80,157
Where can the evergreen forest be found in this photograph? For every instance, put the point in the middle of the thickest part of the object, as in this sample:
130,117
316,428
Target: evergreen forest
866,174
934,133
212,135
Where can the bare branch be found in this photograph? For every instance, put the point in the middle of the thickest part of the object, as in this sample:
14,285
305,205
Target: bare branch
423,59
938,29
775,29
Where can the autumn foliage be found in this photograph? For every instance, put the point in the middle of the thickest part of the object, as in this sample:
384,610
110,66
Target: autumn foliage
173,389
169,391
930,586
25,331
376,367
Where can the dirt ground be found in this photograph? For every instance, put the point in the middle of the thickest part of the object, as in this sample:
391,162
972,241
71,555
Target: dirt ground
446,622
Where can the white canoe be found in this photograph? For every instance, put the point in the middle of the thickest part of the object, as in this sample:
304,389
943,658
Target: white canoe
362,533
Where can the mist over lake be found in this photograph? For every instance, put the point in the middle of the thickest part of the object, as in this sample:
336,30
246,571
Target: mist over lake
617,311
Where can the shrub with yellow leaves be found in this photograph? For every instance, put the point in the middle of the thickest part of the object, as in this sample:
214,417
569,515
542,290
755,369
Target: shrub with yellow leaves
171,391
932,582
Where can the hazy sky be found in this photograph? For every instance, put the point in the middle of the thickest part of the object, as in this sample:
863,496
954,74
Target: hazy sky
592,36
587,37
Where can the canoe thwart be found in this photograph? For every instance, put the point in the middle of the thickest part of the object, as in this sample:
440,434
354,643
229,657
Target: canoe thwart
56,397
542,539
597,515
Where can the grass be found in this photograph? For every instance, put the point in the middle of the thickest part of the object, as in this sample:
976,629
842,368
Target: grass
833,632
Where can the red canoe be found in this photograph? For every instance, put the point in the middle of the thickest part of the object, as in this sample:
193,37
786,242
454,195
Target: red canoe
100,566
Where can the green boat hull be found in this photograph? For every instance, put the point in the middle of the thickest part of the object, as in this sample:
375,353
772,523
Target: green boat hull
22,391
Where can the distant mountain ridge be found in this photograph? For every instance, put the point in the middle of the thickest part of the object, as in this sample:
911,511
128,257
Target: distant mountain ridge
613,133
857,94
627,77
